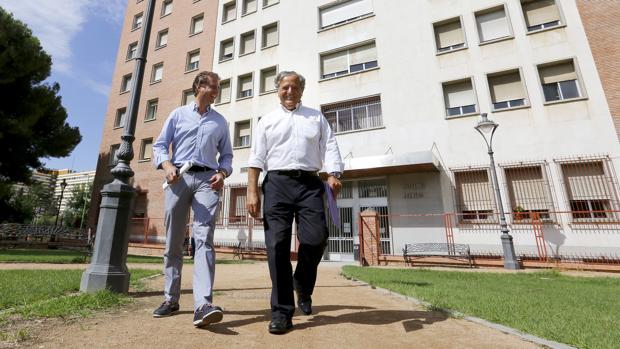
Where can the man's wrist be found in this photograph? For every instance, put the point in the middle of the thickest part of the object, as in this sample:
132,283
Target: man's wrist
336,174
223,172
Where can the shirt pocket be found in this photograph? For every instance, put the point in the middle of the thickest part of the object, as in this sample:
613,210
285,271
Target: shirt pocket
311,129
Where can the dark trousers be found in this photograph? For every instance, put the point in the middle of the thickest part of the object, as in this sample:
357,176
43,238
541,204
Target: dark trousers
286,198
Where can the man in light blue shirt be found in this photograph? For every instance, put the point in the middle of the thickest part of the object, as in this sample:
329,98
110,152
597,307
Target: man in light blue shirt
195,133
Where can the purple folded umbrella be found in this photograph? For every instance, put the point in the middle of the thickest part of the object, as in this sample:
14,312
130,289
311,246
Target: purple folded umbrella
332,206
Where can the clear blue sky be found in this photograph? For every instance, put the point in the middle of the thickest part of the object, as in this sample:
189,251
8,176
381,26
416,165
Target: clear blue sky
82,38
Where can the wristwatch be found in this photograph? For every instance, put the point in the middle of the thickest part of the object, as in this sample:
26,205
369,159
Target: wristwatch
336,174
223,171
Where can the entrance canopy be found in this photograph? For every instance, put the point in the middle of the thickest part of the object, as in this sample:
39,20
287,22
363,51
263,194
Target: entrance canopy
422,161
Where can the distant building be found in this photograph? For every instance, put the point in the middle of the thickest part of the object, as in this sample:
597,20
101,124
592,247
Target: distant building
72,179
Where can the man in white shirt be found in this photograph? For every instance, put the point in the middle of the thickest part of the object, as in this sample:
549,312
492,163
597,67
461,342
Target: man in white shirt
292,143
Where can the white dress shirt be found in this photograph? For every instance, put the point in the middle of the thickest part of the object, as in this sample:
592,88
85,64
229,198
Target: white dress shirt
300,139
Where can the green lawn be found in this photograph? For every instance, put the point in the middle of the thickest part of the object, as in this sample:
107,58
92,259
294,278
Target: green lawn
68,257
579,311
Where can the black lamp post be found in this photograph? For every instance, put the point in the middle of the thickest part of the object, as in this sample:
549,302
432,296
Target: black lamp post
63,185
487,128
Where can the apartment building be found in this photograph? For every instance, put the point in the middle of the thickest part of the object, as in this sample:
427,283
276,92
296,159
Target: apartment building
402,83
70,180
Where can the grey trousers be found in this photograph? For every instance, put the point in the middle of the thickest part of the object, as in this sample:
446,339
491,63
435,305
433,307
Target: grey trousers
192,189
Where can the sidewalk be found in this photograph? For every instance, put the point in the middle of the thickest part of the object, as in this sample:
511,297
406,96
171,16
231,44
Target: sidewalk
346,315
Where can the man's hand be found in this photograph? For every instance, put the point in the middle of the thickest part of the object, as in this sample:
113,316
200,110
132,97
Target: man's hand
335,185
253,204
171,172
217,181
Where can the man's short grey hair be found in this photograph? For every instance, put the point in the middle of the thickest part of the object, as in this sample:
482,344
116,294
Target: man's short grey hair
281,75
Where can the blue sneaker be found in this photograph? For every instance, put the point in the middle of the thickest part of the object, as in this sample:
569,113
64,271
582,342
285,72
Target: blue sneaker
207,314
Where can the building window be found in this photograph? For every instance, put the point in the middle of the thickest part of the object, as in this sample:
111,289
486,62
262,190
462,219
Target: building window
247,43
132,51
193,60
459,98
146,149
119,120
242,133
151,109
267,77
229,11
474,196
270,35
227,49
589,189
343,12
449,35
237,214
137,21
166,8
354,115
559,81
528,193
157,72
113,156
187,97
245,85
507,90
126,83
224,96
162,38
540,14
197,24
267,3
249,6
493,24
349,61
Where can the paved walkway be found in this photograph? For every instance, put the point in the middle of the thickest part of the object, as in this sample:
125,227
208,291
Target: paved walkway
347,315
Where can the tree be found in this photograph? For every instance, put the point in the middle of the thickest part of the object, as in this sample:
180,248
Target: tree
32,119
78,205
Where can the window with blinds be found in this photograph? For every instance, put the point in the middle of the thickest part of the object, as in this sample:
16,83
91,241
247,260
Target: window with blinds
559,81
151,110
146,149
242,133
528,193
267,3
247,43
349,61
459,97
227,48
137,21
344,12
132,50
359,114
157,72
166,8
540,14
119,120
162,38
112,157
449,35
193,60
187,97
229,11
126,83
270,35
197,24
267,77
507,90
474,196
249,6
589,189
237,213
492,24
224,96
245,85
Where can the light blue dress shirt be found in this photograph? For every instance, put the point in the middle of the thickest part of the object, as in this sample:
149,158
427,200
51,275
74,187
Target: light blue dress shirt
194,137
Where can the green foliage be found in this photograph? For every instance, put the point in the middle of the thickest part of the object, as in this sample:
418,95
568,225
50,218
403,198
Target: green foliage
24,204
575,310
78,206
32,119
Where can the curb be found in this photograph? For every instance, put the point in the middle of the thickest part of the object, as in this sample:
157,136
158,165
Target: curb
504,329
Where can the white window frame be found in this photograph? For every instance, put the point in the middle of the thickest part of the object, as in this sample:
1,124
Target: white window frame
462,107
166,4
486,11
544,26
452,48
119,116
352,105
263,36
126,81
188,62
239,141
345,21
132,51
224,7
265,89
135,23
187,96
240,84
267,4
511,104
579,82
154,70
219,100
244,9
192,25
143,145
149,107
160,34
373,65
222,58
241,43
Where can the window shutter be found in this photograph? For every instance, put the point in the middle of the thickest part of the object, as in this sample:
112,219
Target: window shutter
363,54
268,77
541,11
246,84
527,188
585,181
225,92
244,129
506,87
248,43
228,48
475,191
250,6
198,24
449,34
492,25
148,149
558,72
231,12
270,35
459,94
335,62
342,12
163,39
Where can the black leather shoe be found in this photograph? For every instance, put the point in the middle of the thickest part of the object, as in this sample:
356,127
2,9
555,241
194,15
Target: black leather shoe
280,325
305,303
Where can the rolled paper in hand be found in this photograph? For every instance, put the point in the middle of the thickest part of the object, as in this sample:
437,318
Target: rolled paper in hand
183,169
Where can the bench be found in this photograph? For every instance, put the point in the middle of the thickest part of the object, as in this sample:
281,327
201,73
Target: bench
428,249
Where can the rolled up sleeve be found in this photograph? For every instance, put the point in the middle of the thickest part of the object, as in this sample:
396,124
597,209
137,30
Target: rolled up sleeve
162,144
258,152
332,162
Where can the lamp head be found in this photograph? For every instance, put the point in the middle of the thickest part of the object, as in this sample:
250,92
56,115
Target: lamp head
63,184
485,125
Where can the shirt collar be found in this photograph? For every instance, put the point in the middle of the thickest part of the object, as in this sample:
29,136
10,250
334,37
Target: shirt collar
195,108
290,111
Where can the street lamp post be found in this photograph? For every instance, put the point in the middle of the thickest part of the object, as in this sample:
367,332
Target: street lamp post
63,185
486,128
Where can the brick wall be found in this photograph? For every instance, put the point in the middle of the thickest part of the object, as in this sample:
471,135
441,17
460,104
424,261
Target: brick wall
601,21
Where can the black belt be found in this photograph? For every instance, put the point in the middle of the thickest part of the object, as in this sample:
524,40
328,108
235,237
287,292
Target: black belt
295,173
199,169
